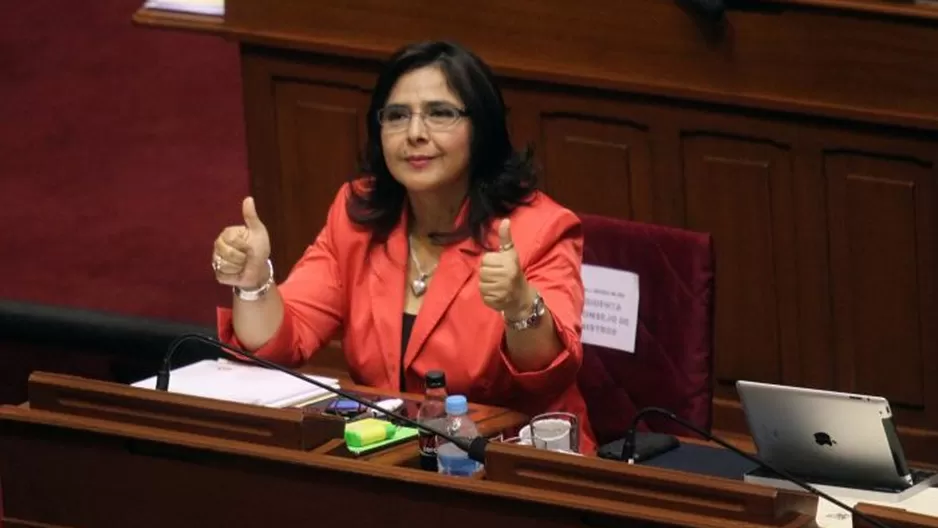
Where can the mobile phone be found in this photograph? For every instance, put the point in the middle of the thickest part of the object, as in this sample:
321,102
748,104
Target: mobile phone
344,407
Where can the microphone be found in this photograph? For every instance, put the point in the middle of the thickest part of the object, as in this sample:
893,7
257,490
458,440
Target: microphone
628,453
475,447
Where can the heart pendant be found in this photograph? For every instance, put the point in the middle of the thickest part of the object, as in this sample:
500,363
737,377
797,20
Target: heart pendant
419,286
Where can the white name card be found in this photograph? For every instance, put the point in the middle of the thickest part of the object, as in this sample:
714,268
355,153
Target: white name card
610,313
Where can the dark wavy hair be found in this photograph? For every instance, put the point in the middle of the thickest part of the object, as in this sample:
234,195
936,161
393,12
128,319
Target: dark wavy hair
500,178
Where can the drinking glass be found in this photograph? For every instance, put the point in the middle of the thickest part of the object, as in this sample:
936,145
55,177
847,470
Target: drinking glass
556,431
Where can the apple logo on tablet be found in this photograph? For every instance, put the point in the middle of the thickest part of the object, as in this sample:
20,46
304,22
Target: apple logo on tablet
824,439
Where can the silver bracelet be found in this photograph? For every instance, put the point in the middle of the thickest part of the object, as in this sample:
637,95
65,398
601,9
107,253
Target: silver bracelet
253,295
531,320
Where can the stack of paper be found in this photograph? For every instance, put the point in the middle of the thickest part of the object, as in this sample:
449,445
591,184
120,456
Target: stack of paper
226,380
199,7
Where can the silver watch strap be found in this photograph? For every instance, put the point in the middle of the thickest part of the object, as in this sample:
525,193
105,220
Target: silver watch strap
255,294
533,319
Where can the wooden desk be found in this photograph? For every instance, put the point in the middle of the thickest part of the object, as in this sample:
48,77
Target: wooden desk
894,517
88,453
491,421
920,510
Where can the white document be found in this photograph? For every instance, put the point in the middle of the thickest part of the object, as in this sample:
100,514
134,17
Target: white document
610,313
226,380
197,7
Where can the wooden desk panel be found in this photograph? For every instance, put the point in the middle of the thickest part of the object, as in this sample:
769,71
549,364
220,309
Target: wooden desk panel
66,468
102,480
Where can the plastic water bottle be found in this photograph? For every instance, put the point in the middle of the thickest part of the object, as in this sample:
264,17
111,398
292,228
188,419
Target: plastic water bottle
451,460
432,412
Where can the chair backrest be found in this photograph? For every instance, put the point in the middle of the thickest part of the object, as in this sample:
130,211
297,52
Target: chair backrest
672,363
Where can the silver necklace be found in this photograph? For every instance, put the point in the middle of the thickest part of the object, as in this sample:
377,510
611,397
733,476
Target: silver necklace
418,285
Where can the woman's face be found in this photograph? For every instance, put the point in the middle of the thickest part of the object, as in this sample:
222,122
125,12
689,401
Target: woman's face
424,136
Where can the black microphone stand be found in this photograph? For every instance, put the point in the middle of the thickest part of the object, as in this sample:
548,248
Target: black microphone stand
628,453
475,447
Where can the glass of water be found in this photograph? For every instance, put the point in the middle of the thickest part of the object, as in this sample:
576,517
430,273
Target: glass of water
556,431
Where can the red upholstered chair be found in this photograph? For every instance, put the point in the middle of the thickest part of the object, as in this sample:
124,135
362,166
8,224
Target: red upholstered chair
672,363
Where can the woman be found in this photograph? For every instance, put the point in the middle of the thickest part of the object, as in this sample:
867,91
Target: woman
443,255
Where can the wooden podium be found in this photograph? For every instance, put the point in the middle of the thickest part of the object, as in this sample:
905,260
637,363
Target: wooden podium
85,453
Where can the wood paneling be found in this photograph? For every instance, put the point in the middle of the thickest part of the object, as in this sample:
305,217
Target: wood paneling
882,229
803,134
305,131
740,191
824,233
320,130
771,54
597,165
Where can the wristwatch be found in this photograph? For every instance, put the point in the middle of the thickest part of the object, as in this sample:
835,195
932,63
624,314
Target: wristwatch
257,293
533,319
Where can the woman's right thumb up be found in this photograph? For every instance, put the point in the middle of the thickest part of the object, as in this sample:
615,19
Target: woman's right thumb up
255,236
251,220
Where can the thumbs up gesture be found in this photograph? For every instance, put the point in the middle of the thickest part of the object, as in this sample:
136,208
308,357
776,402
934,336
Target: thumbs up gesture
241,252
503,285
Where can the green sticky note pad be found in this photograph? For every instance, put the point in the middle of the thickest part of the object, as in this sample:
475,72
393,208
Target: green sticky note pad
399,435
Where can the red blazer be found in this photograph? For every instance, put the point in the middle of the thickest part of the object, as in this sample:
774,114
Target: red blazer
344,283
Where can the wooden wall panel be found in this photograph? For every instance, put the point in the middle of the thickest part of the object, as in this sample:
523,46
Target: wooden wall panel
739,190
321,130
602,167
883,227
305,128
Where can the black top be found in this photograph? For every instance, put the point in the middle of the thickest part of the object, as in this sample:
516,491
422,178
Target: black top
436,379
405,338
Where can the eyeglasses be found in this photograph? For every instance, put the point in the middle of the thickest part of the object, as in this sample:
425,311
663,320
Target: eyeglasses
394,118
